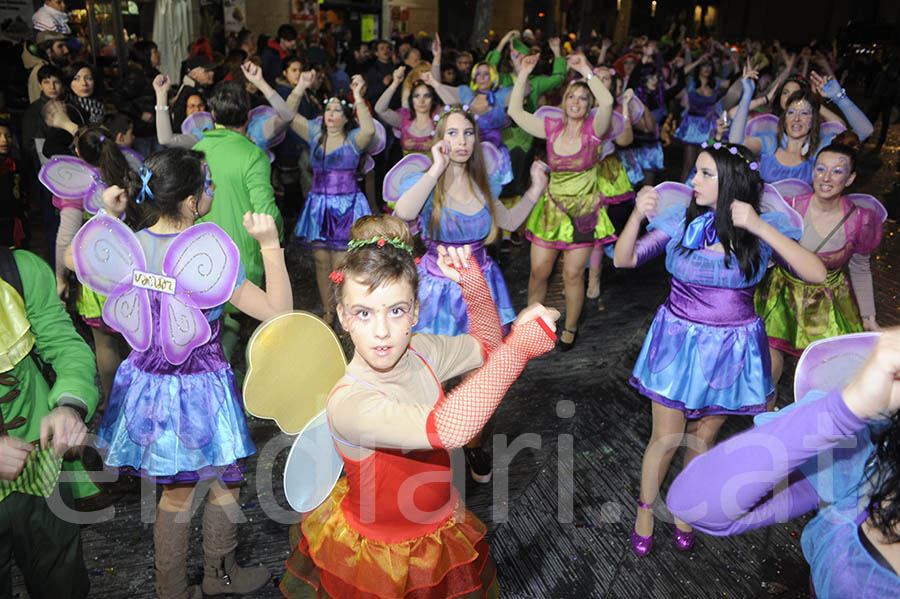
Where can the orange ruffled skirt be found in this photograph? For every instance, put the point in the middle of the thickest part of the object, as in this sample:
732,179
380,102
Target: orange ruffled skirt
330,559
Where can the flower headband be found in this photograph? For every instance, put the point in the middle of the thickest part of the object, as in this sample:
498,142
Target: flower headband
380,241
448,110
337,277
733,150
336,99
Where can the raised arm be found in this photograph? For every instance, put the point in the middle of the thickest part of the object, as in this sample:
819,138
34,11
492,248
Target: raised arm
630,251
300,124
413,199
530,123
627,136
832,90
382,106
436,57
806,264
277,297
366,132
510,219
739,125
164,133
447,93
603,99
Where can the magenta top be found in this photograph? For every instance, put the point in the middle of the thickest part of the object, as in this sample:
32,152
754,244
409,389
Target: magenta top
862,231
580,161
408,141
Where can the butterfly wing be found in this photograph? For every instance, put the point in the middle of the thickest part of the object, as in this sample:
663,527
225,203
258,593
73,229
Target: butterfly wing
672,193
791,188
830,129
127,310
635,108
182,327
864,200
71,178
197,123
255,128
414,163
132,157
106,253
772,201
764,124
205,263
548,112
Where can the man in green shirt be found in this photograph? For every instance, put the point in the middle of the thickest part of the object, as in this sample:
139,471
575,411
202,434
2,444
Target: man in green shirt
38,424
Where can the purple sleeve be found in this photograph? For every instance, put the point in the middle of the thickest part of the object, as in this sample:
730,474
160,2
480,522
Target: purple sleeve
748,481
650,246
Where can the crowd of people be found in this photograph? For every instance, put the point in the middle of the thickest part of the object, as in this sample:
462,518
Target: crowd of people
398,165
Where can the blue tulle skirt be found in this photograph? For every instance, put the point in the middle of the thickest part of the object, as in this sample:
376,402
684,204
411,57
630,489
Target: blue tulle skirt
174,427
705,369
442,310
326,219
695,129
640,157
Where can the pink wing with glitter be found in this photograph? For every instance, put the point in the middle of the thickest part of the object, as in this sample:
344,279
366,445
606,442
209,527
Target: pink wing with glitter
106,255
204,262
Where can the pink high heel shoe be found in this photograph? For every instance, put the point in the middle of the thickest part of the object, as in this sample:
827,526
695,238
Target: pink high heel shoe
641,545
683,540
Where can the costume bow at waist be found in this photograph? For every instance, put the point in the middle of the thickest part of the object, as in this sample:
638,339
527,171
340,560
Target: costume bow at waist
711,305
429,260
333,181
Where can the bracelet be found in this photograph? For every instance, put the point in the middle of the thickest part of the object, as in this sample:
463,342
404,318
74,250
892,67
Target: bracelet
166,108
841,95
589,76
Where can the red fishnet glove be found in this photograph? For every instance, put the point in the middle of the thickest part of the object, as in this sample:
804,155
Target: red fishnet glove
484,324
460,415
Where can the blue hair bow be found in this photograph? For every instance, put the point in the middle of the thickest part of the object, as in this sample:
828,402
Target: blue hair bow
701,232
490,97
145,173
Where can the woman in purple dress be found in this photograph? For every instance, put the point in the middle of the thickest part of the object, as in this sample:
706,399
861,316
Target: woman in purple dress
335,200
705,355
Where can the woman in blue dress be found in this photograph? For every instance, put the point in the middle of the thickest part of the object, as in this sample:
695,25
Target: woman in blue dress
457,201
791,152
699,117
706,353
335,200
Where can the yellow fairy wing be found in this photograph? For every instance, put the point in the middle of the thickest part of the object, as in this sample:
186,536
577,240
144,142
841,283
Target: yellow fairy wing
293,361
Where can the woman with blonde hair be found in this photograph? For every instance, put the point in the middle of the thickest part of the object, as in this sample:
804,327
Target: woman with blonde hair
570,217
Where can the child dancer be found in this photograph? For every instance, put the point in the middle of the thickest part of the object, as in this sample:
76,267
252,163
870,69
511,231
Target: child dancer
381,533
175,415
701,360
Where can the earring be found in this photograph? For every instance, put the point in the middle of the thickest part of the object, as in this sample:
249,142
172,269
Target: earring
804,149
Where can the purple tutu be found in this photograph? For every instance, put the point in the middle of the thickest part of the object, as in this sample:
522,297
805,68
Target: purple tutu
695,129
332,206
442,309
176,423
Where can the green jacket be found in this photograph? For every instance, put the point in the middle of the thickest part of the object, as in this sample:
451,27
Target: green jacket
57,343
539,84
242,176
515,137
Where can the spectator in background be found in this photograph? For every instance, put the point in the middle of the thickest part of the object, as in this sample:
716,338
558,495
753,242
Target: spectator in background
381,73
464,62
52,49
284,44
360,61
199,77
51,16
246,41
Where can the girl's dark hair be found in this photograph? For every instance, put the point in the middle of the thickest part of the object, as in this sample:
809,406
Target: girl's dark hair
98,147
736,182
409,101
117,123
776,99
884,477
374,265
806,94
711,81
176,173
349,125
